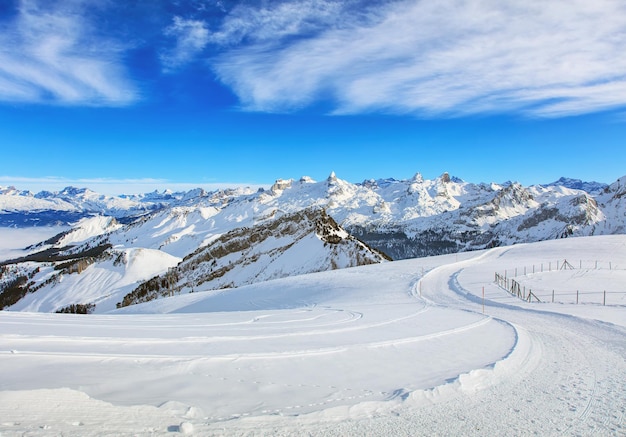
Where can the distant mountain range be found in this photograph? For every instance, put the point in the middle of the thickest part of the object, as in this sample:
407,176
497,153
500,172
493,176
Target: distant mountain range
128,249
577,184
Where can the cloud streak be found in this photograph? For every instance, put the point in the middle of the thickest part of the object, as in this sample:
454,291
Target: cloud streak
191,38
274,21
50,55
434,57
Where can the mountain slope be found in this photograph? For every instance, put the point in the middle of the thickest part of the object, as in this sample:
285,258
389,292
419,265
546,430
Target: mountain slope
23,208
303,242
402,218
98,275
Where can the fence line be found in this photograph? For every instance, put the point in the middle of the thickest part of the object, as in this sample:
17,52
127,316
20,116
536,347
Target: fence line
549,266
515,288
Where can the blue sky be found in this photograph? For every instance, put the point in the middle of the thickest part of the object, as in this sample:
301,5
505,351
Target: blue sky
143,95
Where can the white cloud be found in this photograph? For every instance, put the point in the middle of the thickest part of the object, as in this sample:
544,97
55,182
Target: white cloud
270,22
434,57
191,37
276,20
112,186
50,56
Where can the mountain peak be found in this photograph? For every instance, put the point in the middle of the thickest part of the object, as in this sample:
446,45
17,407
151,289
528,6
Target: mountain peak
73,191
281,185
577,184
228,261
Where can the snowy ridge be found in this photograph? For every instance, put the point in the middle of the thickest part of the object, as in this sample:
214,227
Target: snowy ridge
392,215
577,184
402,218
303,242
102,275
23,208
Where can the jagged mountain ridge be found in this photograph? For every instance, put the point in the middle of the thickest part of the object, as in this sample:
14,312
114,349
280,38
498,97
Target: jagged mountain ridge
22,208
306,241
98,275
577,184
403,218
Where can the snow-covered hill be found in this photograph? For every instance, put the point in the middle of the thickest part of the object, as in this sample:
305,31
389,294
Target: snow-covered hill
98,275
403,348
303,242
401,218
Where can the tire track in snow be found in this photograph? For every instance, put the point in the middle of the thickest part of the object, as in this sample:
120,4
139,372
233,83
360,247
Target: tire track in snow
573,389
260,355
565,376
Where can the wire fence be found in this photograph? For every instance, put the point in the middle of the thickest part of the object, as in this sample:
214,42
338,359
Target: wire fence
516,282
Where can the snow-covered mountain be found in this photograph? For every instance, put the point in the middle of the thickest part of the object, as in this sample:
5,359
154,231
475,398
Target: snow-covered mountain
306,241
577,184
97,275
23,208
401,218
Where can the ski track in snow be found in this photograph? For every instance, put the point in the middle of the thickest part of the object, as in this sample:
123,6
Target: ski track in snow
419,358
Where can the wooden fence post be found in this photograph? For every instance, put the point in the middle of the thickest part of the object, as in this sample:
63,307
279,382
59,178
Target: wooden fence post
552,296
576,297
604,298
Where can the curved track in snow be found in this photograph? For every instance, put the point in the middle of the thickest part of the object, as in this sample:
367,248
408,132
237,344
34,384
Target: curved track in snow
565,375
572,381
396,349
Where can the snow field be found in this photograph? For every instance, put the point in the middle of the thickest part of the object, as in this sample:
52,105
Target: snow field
305,359
117,278
590,282
400,348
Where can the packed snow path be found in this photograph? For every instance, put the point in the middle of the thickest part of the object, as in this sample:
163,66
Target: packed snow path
397,349
572,382
566,376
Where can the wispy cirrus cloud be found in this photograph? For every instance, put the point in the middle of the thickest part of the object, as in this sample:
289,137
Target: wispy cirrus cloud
430,57
268,22
191,37
277,20
49,54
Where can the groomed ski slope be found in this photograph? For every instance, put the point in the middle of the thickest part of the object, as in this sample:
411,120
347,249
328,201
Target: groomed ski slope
402,348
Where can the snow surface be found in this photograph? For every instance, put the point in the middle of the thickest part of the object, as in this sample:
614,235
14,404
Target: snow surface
117,278
400,348
87,228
